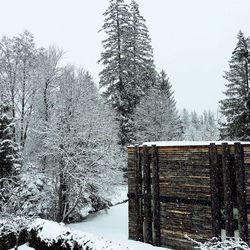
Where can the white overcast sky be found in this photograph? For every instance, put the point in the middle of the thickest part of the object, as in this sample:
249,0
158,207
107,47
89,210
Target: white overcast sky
192,39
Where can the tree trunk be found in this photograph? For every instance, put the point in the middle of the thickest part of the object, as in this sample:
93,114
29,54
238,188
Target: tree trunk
62,206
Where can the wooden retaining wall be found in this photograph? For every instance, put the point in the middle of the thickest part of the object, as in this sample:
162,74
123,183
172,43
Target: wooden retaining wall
175,191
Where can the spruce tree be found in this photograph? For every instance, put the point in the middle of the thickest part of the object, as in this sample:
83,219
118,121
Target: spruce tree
209,127
142,70
9,161
115,73
235,108
156,116
128,63
199,127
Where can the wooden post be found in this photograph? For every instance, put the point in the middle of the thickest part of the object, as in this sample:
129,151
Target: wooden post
140,188
241,191
228,199
215,196
139,220
147,197
155,193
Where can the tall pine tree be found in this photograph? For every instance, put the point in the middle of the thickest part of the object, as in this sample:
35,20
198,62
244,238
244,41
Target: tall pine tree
114,75
128,63
236,106
157,118
9,159
142,73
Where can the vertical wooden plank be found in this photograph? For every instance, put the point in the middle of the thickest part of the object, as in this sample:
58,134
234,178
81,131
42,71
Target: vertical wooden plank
155,194
228,199
131,200
241,191
140,190
215,198
147,197
138,180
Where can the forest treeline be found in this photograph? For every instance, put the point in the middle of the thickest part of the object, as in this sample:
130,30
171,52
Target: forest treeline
63,140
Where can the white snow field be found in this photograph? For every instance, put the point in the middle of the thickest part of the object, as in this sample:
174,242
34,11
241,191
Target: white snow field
106,229
112,225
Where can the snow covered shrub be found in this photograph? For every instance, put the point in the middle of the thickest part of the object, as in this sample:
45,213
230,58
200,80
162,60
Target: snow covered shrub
13,232
225,244
48,235
28,196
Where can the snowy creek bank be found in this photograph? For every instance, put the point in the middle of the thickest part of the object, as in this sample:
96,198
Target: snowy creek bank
107,229
111,225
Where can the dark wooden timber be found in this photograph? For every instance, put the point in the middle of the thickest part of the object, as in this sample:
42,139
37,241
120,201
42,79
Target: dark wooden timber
140,190
147,196
241,191
139,224
191,190
155,193
183,200
228,198
215,196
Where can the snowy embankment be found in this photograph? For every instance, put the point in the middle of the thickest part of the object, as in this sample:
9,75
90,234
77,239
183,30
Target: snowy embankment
104,230
111,225
107,229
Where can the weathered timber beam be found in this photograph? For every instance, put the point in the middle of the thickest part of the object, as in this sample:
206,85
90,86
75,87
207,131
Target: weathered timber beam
155,194
241,191
139,219
227,183
215,196
147,196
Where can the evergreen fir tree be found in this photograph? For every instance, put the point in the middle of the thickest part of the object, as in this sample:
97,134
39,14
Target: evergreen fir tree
209,128
142,74
9,158
128,63
157,118
115,73
199,127
236,106
185,118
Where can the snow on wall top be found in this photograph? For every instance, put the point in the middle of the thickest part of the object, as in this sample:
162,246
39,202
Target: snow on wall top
186,143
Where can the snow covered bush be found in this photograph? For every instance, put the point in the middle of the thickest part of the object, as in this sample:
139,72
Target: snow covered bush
48,235
13,231
225,244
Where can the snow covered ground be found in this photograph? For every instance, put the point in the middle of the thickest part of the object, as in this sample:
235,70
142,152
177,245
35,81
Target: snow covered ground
112,225
105,226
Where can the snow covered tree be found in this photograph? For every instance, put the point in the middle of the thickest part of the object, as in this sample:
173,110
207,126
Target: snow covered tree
156,116
128,63
142,73
210,131
185,118
47,76
17,65
199,127
26,51
235,108
9,158
114,76
81,147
